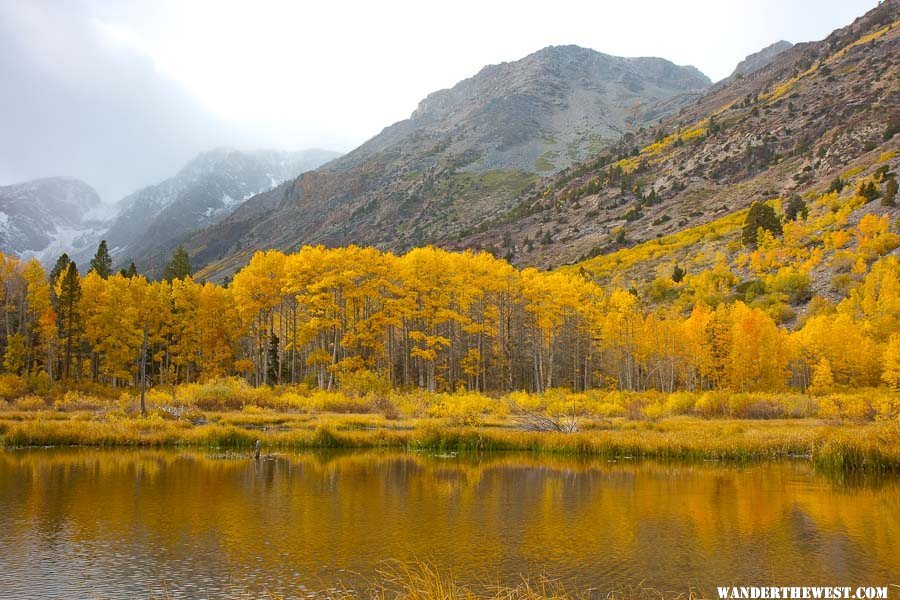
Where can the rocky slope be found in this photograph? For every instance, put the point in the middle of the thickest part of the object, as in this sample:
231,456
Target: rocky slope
46,217
758,60
461,157
154,219
790,128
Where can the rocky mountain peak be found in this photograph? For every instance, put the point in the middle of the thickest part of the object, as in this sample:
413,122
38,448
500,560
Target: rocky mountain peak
38,216
756,61
464,153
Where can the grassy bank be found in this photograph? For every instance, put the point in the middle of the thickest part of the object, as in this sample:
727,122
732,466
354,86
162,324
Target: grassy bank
847,447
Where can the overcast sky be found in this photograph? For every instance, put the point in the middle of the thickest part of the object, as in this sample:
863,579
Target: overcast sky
122,92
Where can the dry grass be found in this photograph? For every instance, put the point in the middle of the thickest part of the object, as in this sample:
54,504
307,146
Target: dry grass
421,580
847,447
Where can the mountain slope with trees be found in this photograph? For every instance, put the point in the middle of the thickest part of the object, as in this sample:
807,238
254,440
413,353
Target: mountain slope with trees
790,128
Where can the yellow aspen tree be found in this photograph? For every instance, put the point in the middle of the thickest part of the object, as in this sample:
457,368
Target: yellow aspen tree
891,361
823,378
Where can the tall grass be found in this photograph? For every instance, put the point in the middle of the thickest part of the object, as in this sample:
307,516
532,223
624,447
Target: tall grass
420,580
852,447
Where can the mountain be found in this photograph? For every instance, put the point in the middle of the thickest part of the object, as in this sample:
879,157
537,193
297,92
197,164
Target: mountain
45,217
152,221
818,111
460,158
758,60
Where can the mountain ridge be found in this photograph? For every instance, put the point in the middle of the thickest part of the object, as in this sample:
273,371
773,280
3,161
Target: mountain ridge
462,155
45,216
152,220
50,216
785,129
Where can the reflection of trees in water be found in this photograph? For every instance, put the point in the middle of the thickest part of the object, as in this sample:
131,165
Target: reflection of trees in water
594,520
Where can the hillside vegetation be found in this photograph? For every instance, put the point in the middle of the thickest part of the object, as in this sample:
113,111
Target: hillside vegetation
816,112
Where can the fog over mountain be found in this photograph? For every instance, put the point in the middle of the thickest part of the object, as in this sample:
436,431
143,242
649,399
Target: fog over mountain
121,94
77,103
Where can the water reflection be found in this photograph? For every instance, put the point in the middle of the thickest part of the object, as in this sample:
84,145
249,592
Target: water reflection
86,523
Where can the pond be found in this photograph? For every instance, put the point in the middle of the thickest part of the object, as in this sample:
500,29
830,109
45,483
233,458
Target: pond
144,523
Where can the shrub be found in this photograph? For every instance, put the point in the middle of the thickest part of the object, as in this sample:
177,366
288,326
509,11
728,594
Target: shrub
159,397
76,400
679,403
712,404
321,401
886,406
464,408
39,383
854,407
793,285
654,411
363,382
11,386
30,403
218,394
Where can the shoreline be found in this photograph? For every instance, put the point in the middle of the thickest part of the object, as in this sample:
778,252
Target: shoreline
870,447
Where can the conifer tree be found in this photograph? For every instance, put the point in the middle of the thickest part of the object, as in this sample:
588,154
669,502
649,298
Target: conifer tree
760,215
62,263
69,314
795,209
130,272
179,266
102,262
890,193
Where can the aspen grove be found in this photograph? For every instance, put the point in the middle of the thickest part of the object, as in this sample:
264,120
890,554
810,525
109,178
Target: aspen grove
433,320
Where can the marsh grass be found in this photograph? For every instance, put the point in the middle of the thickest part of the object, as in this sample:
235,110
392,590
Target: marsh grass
869,447
421,580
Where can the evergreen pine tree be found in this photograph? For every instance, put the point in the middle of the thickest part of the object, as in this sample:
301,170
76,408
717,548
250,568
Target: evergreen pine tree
102,262
795,209
179,266
62,263
868,190
890,193
759,215
69,314
130,272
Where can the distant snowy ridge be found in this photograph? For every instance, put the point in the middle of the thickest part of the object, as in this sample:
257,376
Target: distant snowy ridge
44,218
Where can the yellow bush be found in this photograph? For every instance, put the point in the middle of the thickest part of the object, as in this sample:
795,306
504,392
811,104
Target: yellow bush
128,401
712,404
887,406
362,382
679,403
11,386
39,383
160,397
30,403
523,400
654,411
463,408
220,394
77,400
854,407
606,410
322,401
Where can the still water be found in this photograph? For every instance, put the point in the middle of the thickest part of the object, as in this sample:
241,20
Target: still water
122,524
